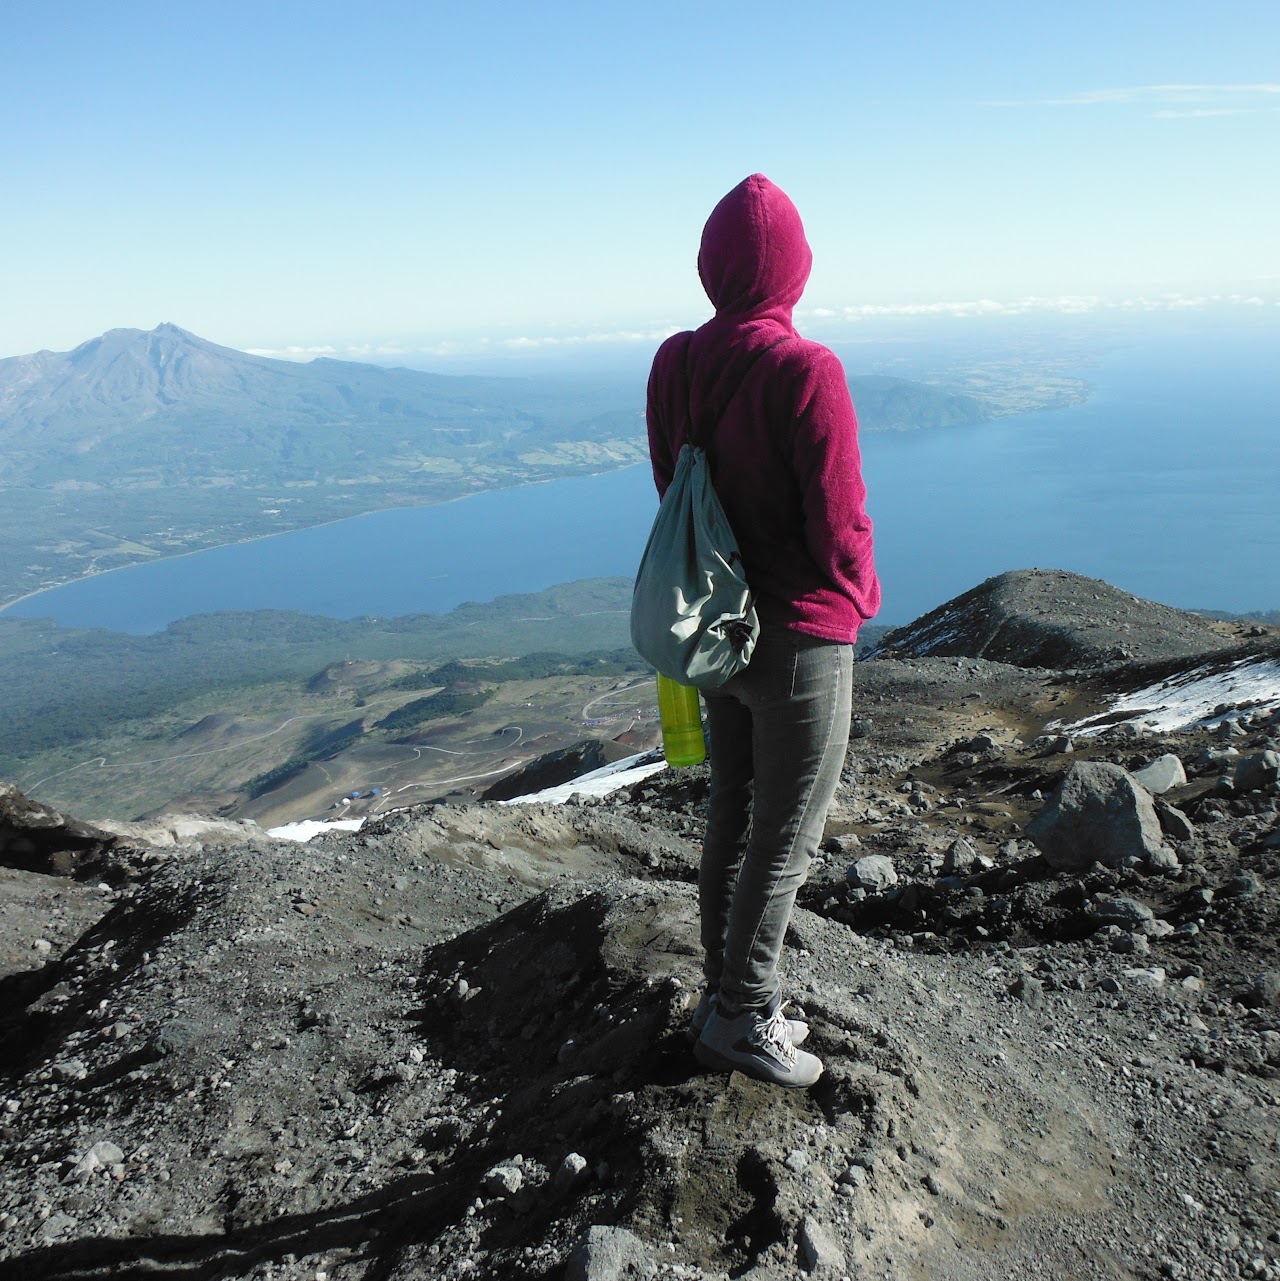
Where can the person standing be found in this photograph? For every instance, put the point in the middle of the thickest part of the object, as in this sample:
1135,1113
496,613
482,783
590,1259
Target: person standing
781,437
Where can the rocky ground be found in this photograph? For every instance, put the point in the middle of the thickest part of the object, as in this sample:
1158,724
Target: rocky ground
451,1045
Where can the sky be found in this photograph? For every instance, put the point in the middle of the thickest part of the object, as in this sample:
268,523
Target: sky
398,180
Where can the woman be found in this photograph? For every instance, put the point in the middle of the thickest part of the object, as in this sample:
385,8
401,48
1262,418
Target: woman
782,439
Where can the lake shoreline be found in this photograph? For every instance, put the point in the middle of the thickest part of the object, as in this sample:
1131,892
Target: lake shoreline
160,558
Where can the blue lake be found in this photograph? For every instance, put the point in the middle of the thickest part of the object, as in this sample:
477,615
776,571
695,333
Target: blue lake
1166,483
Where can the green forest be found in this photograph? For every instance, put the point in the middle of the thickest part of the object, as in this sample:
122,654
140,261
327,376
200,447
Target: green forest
68,685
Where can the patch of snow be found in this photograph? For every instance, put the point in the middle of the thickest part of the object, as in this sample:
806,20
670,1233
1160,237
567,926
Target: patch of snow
930,638
600,782
923,641
310,827
1204,696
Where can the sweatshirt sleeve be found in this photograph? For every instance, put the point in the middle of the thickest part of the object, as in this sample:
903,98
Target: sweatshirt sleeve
657,414
828,467
666,383
659,443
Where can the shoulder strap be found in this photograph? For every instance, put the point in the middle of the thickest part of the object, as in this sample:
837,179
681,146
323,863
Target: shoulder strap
699,435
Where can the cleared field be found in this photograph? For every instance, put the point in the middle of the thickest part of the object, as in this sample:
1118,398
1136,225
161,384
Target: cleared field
218,754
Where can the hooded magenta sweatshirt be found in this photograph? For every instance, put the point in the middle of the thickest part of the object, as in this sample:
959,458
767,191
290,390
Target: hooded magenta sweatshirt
784,455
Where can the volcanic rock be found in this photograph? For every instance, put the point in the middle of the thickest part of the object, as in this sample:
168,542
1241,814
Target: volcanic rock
1174,823
1023,1068
1098,815
873,872
1256,771
819,1251
1127,913
550,770
35,838
1050,618
1264,991
1163,773
960,858
610,1254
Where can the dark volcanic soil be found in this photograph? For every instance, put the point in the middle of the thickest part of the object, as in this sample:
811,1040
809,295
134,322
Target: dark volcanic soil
1050,618
449,1045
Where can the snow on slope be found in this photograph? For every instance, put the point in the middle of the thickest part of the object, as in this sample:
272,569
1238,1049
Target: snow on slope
600,782
309,827
1203,696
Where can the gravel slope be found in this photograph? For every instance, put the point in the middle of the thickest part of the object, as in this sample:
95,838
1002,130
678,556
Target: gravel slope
450,1044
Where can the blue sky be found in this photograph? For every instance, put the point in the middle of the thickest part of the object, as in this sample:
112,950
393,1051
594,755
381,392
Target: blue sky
419,178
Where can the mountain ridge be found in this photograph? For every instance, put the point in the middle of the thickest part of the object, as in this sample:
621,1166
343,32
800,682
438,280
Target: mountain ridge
1053,618
169,366
140,444
125,377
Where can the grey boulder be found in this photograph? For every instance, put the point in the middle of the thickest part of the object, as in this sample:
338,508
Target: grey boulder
1174,823
1127,913
1163,773
959,858
1264,991
820,1252
1256,771
503,1180
1098,815
610,1254
873,872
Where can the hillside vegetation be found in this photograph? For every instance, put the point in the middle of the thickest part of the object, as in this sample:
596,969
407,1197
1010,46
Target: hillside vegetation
137,445
65,686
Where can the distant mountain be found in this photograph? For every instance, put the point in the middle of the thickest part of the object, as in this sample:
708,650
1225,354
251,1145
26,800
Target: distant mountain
898,404
143,444
134,407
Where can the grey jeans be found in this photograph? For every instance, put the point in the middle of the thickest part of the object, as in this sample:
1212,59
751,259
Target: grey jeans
779,731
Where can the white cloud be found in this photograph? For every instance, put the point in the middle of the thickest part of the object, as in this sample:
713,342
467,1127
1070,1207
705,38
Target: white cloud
1197,113
578,340
292,353
1064,304
959,309
359,352
1173,101
380,353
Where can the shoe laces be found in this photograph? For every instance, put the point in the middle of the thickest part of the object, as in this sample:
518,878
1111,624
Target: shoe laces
774,1033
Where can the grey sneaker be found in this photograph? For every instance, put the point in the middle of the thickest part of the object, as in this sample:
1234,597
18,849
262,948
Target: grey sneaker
708,1002
758,1043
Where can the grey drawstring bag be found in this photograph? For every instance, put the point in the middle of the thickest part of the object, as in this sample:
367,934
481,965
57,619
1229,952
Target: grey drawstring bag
692,613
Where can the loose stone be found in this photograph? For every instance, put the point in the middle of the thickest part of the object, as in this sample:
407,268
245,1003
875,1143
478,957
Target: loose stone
573,1169
819,1250
873,872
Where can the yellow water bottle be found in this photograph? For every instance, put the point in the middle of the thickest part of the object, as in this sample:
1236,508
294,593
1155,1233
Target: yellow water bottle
681,715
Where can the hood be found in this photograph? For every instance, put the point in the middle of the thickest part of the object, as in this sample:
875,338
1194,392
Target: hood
754,260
